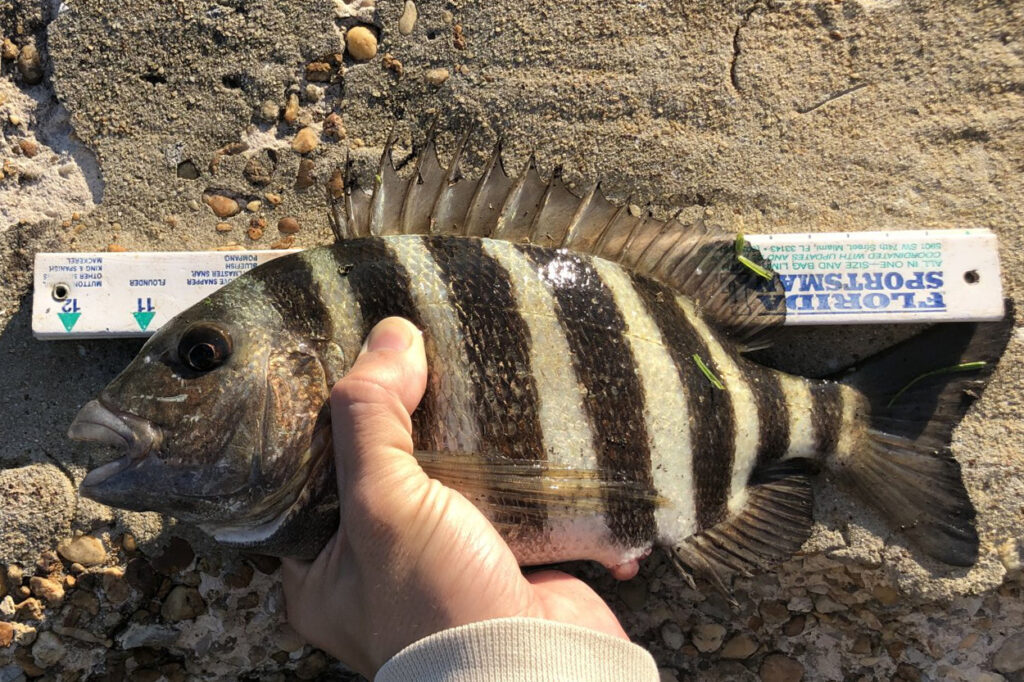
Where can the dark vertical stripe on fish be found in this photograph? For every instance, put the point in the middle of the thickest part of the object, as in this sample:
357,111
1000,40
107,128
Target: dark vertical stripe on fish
291,287
613,394
772,411
382,288
497,345
826,415
712,428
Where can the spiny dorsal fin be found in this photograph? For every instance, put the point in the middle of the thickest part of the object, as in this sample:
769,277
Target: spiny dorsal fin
695,260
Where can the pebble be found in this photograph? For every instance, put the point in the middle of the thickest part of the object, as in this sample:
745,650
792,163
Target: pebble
30,64
176,557
672,635
708,637
1010,657
795,625
886,595
47,650
361,43
183,603
391,63
288,225
407,21
741,646
287,639
291,108
222,206
318,72
826,605
29,609
240,577
312,666
333,126
188,170
116,248
223,227
780,668
256,173
6,634
305,141
9,49
314,93
254,233
861,646
436,76
147,635
305,177
254,205
115,586
28,147
273,199
128,542
773,612
50,591
286,242
7,609
84,549
269,111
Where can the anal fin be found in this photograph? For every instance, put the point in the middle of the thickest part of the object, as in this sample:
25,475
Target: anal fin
773,524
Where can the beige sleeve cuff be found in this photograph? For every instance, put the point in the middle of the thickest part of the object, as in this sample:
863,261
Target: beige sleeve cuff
520,650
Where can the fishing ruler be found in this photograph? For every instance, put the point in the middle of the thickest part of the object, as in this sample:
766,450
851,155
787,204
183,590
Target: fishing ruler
829,278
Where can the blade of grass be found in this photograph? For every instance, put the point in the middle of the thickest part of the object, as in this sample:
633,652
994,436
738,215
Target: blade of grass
962,367
715,381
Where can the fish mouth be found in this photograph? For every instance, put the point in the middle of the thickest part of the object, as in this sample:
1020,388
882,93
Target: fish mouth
97,423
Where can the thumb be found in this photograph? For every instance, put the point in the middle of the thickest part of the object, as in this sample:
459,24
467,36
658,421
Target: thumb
370,406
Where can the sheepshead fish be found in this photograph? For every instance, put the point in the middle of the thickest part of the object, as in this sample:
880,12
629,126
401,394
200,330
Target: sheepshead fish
588,388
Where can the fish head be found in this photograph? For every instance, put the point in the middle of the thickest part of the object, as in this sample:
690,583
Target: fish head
219,417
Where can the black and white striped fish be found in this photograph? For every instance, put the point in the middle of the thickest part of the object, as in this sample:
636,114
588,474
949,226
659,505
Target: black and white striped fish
587,387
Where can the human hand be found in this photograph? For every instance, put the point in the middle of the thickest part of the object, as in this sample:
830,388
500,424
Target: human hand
411,556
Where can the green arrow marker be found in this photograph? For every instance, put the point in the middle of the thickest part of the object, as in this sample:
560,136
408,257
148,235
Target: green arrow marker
69,320
144,319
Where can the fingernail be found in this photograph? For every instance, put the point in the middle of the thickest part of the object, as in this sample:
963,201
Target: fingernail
390,334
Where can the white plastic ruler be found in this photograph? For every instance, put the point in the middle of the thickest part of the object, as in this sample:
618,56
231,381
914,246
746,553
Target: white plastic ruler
830,278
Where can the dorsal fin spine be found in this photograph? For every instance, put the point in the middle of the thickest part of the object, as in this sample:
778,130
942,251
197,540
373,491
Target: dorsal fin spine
376,216
475,205
602,240
531,233
440,207
573,227
508,209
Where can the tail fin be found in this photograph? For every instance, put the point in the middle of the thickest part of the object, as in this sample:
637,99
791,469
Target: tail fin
919,391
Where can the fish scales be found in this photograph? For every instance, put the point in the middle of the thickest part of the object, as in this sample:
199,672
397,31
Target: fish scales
564,396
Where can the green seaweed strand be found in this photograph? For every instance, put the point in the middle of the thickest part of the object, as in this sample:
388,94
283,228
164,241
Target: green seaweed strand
953,369
715,381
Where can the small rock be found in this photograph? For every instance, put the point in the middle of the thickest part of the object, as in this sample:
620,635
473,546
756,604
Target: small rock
128,542
305,141
314,93
825,605
305,177
222,206
284,242
177,556
256,173
28,147
312,666
47,650
254,233
407,21
741,646
30,64
333,126
147,635
795,625
240,577
248,601
183,603
391,63
116,248
336,183
115,586
436,76
886,595
269,111
667,675
361,43
50,591
29,609
774,612
84,549
780,668
288,225
318,72
907,673
9,50
287,639
85,601
708,637
861,646
6,634
291,108
223,227
1010,657
458,37
672,635
634,593
7,609
253,205
273,199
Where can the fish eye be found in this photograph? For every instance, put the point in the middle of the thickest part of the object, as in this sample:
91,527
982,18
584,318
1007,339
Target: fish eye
204,347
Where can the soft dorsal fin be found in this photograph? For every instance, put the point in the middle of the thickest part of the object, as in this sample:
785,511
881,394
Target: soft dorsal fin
732,285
